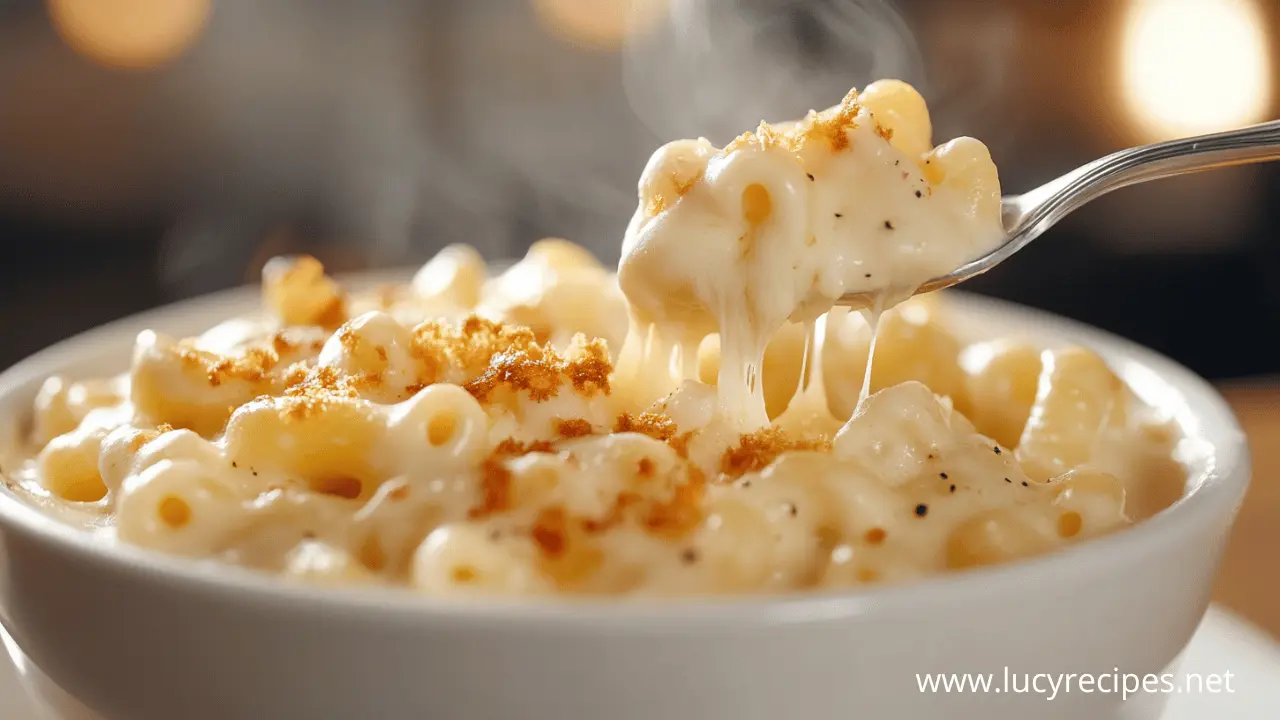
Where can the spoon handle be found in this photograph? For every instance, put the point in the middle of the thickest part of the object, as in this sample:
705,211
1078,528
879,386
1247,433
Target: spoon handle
1030,214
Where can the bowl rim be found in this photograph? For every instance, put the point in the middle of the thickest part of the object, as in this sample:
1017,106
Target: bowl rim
1211,497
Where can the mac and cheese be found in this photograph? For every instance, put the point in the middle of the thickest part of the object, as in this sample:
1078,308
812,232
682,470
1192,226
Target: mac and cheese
698,423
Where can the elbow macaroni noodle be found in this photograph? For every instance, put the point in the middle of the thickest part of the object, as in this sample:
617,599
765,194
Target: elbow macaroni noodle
544,432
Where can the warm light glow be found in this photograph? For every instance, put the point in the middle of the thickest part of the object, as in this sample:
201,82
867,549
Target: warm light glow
1196,66
129,33
598,24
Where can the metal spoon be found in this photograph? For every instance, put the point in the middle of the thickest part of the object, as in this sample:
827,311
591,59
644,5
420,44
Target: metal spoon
1027,216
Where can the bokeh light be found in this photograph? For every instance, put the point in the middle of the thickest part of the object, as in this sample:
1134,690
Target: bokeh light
599,24
1195,66
129,33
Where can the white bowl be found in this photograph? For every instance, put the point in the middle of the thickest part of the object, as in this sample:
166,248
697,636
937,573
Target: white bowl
138,635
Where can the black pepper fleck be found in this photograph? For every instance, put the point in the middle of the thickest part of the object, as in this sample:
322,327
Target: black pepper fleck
942,475
809,175
997,449
953,488
930,456
1024,484
689,556
233,464
896,163
868,275
1008,480
255,472
746,483
792,510
919,194
839,214
888,224
308,535
922,510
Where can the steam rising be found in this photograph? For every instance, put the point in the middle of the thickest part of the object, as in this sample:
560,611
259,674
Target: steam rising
411,125
717,67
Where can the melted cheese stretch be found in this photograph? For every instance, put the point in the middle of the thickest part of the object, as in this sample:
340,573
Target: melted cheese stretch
781,223
457,436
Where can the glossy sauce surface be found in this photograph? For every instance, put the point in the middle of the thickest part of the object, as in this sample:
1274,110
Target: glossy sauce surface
701,422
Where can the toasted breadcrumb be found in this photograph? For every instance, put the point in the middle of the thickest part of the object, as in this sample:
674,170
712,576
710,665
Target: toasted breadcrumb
833,126
467,348
657,426
252,366
367,380
495,478
576,427
319,388
281,345
549,531
349,339
756,450
540,371
829,126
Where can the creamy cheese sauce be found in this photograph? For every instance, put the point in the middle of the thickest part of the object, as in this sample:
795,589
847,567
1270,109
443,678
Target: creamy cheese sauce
702,422
780,223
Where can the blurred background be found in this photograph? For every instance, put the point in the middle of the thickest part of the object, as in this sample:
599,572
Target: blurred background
156,149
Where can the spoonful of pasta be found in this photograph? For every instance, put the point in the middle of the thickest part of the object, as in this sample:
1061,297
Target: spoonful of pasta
1027,216
854,205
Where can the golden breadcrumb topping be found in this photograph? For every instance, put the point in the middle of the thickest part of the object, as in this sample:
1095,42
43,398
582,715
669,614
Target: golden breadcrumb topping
495,478
540,371
467,348
657,426
572,428
549,530
145,436
567,555
587,365
757,450
830,126
252,366
683,512
316,390
282,345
